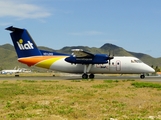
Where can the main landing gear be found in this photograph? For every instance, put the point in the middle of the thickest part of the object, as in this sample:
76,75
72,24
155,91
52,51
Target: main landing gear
85,76
87,68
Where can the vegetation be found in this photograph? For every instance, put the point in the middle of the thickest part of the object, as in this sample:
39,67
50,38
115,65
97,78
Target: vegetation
79,99
148,85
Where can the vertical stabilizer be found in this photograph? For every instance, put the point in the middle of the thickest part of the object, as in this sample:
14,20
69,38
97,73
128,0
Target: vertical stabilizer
23,43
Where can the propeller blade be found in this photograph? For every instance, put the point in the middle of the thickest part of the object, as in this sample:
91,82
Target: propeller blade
110,57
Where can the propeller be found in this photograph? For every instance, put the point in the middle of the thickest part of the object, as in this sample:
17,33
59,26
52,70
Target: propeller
110,58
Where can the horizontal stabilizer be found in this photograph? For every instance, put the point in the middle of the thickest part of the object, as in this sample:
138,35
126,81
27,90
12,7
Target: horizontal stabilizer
11,28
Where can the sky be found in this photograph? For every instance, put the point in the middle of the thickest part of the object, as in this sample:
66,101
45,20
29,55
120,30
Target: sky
134,25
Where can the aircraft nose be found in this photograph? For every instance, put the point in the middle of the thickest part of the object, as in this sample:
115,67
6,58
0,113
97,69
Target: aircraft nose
149,69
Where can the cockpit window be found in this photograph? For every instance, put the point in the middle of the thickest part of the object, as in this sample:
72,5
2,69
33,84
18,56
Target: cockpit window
136,61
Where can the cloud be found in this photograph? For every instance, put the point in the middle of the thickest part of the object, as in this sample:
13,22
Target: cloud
19,10
5,24
87,33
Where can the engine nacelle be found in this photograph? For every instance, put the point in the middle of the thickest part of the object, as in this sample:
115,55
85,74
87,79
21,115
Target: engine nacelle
96,59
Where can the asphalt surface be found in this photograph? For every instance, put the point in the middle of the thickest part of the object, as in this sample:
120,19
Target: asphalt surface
78,77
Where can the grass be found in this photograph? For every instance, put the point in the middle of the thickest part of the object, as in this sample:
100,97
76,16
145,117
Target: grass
148,85
79,99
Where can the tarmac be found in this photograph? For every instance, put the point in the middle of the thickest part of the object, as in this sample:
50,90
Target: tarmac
78,77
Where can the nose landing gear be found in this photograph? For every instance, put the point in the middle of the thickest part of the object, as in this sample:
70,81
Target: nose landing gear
142,76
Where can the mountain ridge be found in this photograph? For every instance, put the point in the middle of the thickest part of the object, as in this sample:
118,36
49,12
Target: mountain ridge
9,56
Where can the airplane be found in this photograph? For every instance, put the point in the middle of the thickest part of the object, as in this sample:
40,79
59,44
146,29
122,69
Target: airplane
80,61
11,71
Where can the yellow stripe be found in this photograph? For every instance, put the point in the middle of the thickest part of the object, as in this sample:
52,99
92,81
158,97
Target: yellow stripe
47,63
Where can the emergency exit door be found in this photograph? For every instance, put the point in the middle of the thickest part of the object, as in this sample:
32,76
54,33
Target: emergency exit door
118,65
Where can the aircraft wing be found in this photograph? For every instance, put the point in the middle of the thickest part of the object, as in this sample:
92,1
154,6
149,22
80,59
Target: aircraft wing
82,57
80,53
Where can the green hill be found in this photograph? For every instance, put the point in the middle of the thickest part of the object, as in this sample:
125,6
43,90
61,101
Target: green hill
9,57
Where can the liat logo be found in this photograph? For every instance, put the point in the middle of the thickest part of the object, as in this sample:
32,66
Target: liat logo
26,46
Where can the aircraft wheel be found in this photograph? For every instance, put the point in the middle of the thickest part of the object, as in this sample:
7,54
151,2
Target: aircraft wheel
142,76
16,75
91,76
85,76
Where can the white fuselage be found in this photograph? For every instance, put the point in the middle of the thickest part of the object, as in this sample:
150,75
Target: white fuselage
122,65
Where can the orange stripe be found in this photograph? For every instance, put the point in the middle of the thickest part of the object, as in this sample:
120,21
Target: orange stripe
34,60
